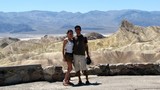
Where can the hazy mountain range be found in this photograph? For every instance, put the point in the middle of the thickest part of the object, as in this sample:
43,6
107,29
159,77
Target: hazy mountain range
59,22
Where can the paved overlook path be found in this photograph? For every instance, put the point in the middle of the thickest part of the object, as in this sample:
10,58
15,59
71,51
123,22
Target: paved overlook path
97,83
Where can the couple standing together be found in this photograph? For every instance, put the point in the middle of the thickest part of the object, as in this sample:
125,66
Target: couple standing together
74,49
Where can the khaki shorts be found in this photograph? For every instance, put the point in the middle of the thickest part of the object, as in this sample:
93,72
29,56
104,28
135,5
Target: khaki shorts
79,62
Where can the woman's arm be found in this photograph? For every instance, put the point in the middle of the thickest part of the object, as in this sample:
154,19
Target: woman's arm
63,48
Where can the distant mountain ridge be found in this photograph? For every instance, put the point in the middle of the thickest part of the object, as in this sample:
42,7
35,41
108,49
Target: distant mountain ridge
59,22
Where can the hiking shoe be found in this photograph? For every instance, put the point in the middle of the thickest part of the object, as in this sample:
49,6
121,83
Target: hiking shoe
80,83
70,83
87,83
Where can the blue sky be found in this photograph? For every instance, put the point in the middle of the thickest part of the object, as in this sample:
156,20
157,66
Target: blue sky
77,5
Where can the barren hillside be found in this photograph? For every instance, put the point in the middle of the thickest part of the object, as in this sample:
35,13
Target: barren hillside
130,44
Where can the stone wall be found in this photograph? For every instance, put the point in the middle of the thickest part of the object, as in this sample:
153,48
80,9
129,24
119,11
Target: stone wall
29,73
20,74
125,69
53,73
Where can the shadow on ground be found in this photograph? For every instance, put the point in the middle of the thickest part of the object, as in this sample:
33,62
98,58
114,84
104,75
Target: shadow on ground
83,84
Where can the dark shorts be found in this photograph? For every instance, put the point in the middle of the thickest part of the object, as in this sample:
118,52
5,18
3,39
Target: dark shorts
69,56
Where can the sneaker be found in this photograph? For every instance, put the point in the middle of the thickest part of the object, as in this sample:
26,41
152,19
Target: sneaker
87,82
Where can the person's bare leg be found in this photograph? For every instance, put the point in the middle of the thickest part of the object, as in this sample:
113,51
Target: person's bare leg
86,74
69,70
79,76
67,75
65,81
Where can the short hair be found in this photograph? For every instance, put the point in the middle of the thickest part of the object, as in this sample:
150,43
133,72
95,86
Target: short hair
69,31
77,26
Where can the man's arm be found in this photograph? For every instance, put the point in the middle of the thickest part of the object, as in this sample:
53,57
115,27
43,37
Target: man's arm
87,52
86,46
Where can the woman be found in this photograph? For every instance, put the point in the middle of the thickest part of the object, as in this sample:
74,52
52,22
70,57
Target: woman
68,55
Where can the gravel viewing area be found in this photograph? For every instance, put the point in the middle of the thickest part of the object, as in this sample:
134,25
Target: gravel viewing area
97,83
106,76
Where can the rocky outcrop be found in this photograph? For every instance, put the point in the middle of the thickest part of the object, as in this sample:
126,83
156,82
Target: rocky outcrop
113,57
94,35
130,44
131,37
53,38
6,41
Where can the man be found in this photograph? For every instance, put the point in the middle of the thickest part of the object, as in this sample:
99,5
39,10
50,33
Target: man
79,49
